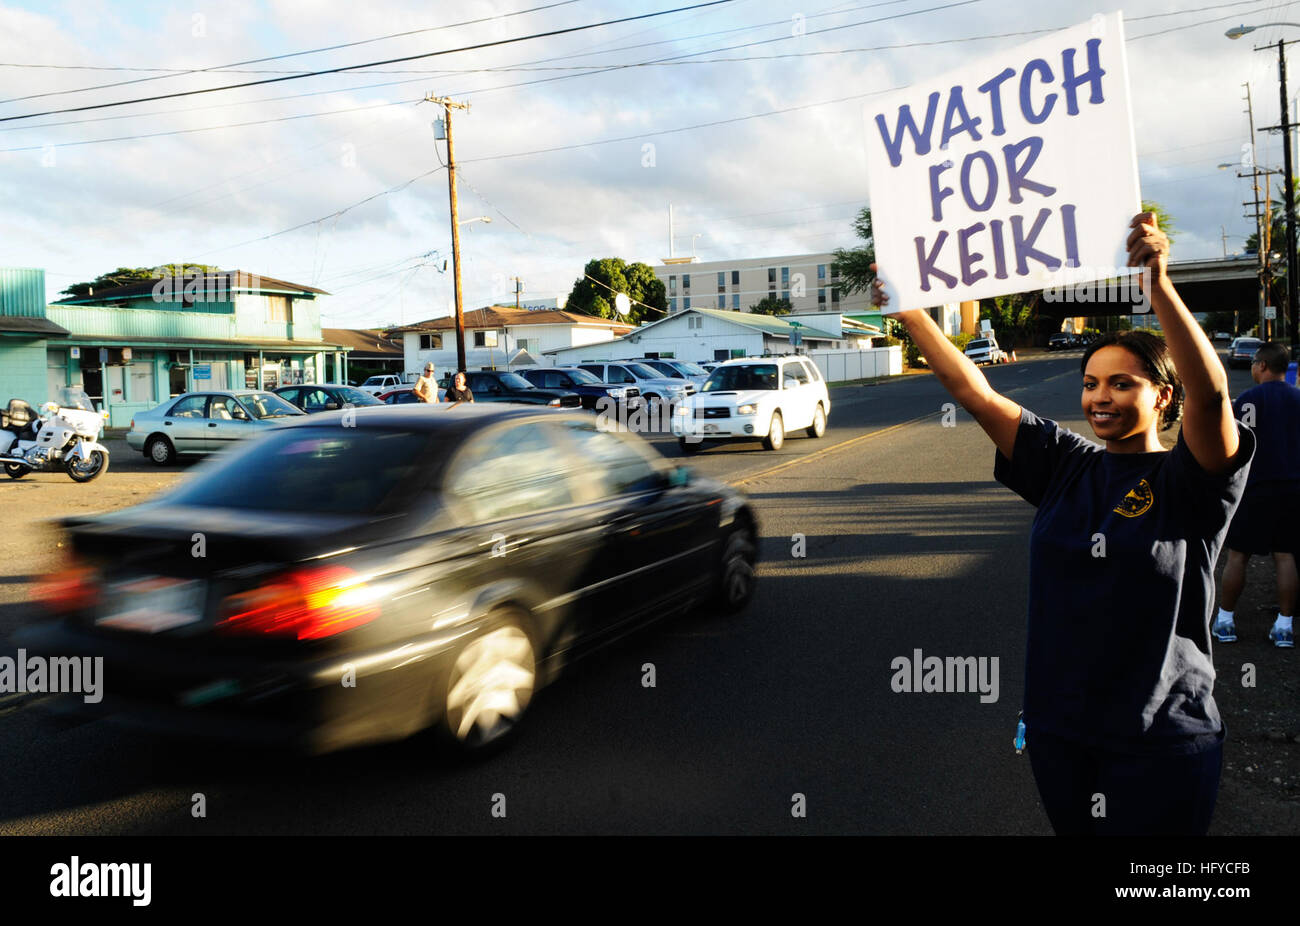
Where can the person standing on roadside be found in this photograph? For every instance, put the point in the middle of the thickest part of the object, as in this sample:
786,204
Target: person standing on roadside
458,391
1265,523
1123,733
426,388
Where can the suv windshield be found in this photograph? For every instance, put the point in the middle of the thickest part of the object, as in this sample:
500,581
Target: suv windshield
748,376
267,405
977,343
515,381
691,369
641,371
314,470
583,378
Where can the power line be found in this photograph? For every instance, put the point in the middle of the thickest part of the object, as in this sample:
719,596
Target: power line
353,67
295,54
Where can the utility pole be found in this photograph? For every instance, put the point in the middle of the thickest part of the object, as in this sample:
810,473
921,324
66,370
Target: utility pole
448,104
519,288
1292,272
1262,242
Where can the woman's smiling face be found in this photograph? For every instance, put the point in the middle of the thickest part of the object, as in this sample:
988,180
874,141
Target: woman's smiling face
1120,400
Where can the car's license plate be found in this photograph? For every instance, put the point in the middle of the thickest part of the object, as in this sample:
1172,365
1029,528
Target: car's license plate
153,604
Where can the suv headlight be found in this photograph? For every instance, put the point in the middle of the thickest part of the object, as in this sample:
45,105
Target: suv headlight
616,393
749,409
683,410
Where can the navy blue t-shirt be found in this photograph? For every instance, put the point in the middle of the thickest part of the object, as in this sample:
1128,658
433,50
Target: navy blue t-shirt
1275,415
1118,653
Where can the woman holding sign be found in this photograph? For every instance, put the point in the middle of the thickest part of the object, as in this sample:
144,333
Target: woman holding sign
1121,726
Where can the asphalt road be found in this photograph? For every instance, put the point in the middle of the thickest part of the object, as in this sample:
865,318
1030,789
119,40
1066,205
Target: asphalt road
909,543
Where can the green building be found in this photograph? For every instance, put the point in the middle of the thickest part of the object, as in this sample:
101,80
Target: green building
26,337
133,346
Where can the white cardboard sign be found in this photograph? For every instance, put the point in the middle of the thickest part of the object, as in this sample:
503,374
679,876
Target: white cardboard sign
1013,174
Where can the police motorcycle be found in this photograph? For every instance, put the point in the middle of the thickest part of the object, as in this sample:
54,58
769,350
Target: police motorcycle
64,437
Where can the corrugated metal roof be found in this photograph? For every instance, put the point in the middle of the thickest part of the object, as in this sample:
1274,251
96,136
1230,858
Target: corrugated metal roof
25,325
362,340
22,292
498,316
228,280
768,324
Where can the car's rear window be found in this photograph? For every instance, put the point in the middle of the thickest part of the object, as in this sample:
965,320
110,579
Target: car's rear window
315,470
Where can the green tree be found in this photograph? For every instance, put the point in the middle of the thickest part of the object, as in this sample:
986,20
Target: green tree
853,265
124,275
771,305
613,275
1163,219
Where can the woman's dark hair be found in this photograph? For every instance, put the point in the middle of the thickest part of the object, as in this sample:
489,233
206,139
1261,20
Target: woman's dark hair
1154,355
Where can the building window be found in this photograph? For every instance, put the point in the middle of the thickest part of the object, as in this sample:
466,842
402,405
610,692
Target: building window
430,342
722,280
722,300
672,284
771,276
785,277
735,278
835,294
277,309
785,294
735,302
686,281
821,271
694,321
821,296
686,303
672,305
528,344
485,339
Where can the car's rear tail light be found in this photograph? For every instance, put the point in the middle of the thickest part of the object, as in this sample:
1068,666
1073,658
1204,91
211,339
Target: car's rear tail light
307,604
72,587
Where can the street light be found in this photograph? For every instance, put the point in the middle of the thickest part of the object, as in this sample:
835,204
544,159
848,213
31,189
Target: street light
1292,284
477,218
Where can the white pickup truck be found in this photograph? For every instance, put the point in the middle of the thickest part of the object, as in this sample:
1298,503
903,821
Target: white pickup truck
378,385
985,350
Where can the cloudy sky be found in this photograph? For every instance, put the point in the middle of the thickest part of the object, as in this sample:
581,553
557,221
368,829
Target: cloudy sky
746,115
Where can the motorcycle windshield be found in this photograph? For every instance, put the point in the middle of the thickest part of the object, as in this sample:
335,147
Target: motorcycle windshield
71,397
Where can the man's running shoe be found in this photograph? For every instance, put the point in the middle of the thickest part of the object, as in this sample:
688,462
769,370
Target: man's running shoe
1225,631
1281,638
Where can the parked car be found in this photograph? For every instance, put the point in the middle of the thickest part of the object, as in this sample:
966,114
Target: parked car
755,399
1222,336
591,390
502,386
325,398
678,369
205,422
655,387
405,395
1060,341
384,382
444,567
985,350
1241,353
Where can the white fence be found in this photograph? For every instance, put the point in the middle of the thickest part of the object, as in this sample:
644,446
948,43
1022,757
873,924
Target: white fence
837,366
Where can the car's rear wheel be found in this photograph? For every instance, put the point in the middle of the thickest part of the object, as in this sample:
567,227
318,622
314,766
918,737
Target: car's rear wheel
818,426
737,575
775,439
490,685
16,470
160,451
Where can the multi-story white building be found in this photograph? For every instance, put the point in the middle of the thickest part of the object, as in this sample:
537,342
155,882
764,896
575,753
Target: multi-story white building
807,280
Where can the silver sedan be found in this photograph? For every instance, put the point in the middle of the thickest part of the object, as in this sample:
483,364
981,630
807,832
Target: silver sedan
205,422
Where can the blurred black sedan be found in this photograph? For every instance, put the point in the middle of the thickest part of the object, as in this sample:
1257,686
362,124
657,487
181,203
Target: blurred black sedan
325,398
501,386
360,576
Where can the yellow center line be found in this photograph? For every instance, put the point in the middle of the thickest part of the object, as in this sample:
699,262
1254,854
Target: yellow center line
831,449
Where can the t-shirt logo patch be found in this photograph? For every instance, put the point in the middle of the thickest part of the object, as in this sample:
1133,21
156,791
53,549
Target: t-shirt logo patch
1138,500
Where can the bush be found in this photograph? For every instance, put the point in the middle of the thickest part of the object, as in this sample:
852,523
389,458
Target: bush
961,340
886,341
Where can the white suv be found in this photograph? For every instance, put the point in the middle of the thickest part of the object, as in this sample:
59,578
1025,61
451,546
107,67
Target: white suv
755,398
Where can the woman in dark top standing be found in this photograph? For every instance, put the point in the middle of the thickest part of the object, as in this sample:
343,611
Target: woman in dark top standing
1121,726
458,391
